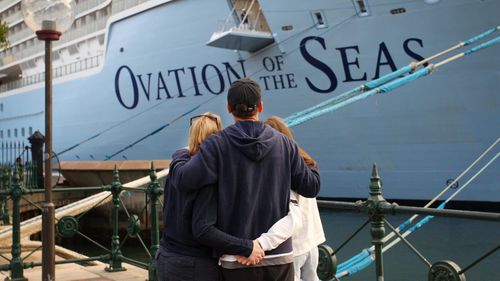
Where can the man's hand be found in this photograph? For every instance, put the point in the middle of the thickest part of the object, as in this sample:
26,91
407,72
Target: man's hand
255,257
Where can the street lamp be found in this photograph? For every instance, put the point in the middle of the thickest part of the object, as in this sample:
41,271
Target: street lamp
49,19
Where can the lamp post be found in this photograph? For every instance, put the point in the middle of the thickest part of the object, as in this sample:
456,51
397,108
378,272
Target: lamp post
49,19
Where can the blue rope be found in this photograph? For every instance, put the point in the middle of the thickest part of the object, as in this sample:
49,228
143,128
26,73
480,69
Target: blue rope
325,103
301,116
385,84
360,266
404,80
480,36
482,46
389,77
355,259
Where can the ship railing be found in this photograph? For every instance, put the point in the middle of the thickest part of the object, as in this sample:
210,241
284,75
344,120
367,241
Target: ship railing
60,71
13,18
7,3
20,36
83,6
245,16
120,5
90,28
227,26
69,219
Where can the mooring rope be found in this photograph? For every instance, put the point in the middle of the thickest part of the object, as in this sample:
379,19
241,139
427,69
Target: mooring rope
386,83
364,259
460,45
382,80
366,256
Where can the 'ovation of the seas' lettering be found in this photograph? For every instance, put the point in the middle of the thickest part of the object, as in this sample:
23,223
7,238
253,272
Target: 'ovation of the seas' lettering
132,88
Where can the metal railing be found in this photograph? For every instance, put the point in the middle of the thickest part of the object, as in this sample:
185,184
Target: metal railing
7,3
377,208
60,71
69,36
68,223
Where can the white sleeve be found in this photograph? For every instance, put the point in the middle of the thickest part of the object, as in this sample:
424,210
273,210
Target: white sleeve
284,228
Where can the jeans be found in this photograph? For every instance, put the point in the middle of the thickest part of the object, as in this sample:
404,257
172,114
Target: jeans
282,272
187,268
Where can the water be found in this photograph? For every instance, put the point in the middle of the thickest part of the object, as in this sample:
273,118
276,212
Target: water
459,240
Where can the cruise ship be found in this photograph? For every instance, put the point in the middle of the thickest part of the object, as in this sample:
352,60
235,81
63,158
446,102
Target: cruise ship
129,74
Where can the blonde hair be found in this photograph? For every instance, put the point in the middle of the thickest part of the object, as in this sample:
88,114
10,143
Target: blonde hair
203,127
280,126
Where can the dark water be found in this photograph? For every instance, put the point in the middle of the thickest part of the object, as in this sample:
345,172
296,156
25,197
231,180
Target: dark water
461,241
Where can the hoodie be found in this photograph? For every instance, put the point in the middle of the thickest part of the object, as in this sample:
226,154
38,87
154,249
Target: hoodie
253,167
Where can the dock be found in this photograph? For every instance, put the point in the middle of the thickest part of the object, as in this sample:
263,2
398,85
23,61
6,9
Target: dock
21,257
75,272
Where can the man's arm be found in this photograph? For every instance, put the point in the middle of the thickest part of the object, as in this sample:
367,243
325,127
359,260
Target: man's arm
205,232
305,179
192,173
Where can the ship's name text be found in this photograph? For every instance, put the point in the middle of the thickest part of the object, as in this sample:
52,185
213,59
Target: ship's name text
321,77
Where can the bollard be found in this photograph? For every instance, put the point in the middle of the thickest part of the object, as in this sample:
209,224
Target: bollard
115,261
16,263
154,192
37,140
374,204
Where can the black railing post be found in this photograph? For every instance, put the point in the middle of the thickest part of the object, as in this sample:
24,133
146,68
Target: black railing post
37,140
115,262
16,263
154,192
375,204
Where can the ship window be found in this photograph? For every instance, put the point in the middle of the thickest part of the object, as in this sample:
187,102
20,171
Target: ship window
31,131
1,134
319,19
361,7
8,133
1,107
15,132
22,132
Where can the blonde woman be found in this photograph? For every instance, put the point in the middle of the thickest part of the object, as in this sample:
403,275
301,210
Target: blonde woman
189,235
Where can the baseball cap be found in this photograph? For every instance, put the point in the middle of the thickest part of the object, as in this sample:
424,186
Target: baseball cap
244,97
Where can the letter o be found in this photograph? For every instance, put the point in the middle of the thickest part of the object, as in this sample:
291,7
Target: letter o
205,79
134,86
267,66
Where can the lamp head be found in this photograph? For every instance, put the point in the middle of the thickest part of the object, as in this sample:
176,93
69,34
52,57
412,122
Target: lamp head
48,16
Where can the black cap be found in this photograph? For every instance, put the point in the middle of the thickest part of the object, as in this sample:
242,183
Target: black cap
244,97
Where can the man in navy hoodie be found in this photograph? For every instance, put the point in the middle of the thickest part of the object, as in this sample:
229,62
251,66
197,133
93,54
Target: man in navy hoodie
253,167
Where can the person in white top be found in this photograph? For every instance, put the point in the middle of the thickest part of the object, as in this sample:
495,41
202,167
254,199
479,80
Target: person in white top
302,223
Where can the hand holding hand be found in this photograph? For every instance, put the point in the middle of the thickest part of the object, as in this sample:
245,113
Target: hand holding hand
255,257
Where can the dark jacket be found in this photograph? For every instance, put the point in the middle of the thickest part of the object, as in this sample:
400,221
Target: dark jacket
184,212
254,167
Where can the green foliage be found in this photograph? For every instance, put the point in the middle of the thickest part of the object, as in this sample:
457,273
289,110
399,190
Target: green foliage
4,30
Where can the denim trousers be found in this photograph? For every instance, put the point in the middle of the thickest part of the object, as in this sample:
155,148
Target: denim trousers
187,268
